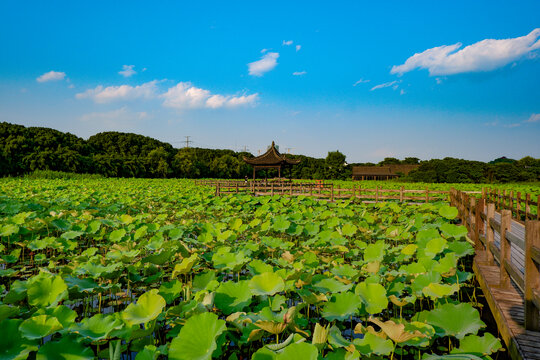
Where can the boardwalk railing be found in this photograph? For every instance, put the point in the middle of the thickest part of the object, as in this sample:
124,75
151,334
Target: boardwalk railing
326,191
523,207
507,268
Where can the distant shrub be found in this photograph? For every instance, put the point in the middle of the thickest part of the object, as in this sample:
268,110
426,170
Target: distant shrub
50,174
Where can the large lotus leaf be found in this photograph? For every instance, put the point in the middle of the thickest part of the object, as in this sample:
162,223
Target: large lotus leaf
434,246
258,267
70,235
336,339
372,344
342,306
67,348
461,248
448,212
197,338
233,296
267,283
423,236
12,345
62,313
297,351
185,266
8,230
98,326
264,353
373,296
46,289
327,285
280,224
148,307
423,280
437,291
452,357
170,290
348,229
375,252
447,265
455,231
81,285
478,345
345,271
39,326
342,354
205,281
455,320
7,311
230,260
117,235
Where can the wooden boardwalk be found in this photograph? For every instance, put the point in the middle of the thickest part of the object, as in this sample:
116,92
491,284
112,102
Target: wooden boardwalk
512,290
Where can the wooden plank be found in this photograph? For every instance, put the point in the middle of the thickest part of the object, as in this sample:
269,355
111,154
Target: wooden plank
532,276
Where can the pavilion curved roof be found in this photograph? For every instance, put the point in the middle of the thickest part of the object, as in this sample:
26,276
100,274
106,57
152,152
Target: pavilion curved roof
271,157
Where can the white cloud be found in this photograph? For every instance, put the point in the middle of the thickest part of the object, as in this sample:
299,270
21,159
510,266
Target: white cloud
186,96
299,73
298,47
388,84
361,81
533,118
512,125
402,92
123,92
51,76
287,43
263,51
268,62
485,55
127,70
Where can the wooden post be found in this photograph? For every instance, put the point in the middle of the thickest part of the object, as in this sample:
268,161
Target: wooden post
474,224
478,221
401,194
527,206
490,214
498,199
332,192
376,193
532,275
217,189
538,208
427,194
518,206
272,187
290,189
353,188
511,202
504,206
237,188
310,189
506,223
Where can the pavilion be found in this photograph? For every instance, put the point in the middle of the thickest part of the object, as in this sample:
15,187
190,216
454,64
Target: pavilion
271,159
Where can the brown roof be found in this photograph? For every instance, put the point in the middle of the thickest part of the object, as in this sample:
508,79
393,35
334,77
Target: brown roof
383,170
271,157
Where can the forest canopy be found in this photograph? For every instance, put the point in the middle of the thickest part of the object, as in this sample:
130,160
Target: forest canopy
24,150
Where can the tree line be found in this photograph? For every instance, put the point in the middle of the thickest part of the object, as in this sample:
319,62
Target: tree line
24,150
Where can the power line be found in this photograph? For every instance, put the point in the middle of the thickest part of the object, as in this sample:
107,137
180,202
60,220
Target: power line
187,141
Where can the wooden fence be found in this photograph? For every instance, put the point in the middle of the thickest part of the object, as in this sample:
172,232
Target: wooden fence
502,240
321,190
521,206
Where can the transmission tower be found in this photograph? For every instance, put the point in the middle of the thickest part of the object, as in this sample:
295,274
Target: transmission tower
187,141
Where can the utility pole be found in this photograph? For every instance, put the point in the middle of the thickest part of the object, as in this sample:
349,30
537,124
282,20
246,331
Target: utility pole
245,148
289,150
187,141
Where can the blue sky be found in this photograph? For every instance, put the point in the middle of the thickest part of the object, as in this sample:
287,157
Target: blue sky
313,76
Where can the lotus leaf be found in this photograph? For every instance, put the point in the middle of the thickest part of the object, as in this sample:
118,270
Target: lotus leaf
373,344
39,326
478,345
297,351
373,296
448,212
67,348
46,289
233,296
148,307
342,306
437,291
455,231
12,345
375,252
267,283
455,320
197,338
434,246
98,327
170,290
327,285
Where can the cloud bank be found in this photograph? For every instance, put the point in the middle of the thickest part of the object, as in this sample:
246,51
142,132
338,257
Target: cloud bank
485,55
127,70
107,94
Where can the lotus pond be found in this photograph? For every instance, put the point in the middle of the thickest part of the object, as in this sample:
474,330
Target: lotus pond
151,269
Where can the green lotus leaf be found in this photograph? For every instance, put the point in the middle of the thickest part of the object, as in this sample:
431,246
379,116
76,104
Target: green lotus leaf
81,285
46,289
93,226
348,229
423,236
70,235
197,338
67,348
62,313
9,229
61,224
461,248
205,281
434,246
437,291
342,354
280,224
455,231
409,249
375,252
373,296
345,271
297,351
39,326
233,296
423,280
336,339
98,327
342,306
267,283
372,344
171,290
478,345
148,307
185,266
230,260
12,345
117,235
331,286
258,267
7,311
448,212
451,357
140,232
150,352
455,320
